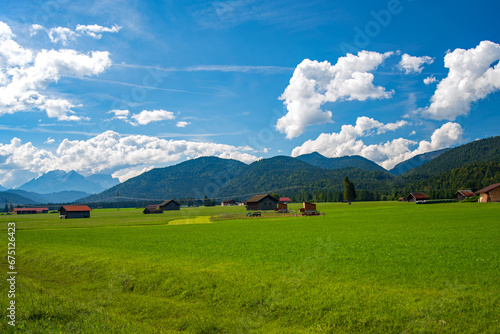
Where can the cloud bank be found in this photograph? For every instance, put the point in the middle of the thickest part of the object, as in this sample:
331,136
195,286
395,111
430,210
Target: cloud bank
109,152
388,154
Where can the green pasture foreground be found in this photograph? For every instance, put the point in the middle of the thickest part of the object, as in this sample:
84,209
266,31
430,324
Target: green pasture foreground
379,267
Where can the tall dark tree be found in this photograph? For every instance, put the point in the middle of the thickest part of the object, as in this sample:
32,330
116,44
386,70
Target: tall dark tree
349,190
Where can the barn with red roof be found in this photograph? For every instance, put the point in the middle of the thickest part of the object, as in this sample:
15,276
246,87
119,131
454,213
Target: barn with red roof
74,211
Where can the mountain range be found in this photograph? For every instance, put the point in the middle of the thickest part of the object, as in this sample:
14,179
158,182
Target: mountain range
469,166
309,174
59,180
57,187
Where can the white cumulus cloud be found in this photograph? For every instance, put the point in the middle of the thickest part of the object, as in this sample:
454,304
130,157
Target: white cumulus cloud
471,77
388,154
410,64
61,35
315,83
148,116
120,114
430,80
182,124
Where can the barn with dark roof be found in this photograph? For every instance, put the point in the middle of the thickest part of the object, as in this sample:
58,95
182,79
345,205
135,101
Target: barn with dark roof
262,203
170,205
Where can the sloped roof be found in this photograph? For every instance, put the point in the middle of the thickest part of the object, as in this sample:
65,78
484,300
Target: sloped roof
285,199
229,201
31,209
488,188
75,208
258,198
466,193
153,208
418,196
168,201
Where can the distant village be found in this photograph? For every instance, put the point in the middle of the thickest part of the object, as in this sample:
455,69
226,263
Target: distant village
266,202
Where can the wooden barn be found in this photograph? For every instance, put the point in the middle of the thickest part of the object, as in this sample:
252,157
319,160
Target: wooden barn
152,209
262,203
490,193
413,197
29,211
74,211
463,194
170,205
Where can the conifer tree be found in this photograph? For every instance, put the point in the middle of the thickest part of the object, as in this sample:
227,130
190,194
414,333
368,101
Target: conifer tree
349,190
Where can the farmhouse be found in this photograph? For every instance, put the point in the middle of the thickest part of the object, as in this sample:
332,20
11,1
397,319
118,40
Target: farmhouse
228,202
29,211
152,209
463,194
74,211
262,202
490,193
285,200
170,205
413,197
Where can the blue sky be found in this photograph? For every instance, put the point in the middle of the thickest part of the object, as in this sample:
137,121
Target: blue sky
120,87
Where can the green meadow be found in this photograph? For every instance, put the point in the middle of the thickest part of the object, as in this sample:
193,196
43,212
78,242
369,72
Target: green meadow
369,267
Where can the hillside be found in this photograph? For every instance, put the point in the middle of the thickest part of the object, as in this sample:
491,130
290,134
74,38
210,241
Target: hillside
289,176
193,178
355,161
8,197
416,161
58,197
444,185
479,151
221,178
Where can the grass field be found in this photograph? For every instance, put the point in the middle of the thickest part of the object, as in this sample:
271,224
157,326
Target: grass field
374,267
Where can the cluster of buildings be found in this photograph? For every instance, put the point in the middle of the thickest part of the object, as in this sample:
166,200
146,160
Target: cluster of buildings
165,206
488,194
